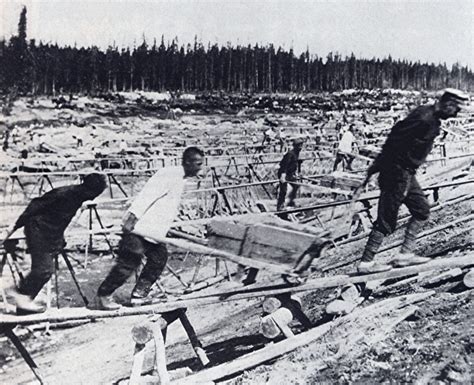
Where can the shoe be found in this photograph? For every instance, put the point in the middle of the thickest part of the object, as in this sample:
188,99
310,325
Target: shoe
341,307
147,300
25,304
140,301
409,259
372,267
107,302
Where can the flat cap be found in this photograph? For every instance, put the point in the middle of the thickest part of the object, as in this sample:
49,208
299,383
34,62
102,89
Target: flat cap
455,95
297,140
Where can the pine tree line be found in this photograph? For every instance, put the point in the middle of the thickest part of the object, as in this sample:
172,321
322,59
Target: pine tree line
39,68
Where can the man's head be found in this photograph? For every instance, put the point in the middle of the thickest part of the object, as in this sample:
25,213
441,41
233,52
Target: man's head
451,102
298,143
94,185
193,159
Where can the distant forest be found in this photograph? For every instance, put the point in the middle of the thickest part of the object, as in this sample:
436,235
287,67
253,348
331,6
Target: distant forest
36,68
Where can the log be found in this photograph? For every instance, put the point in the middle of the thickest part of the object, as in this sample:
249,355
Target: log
160,356
271,304
253,291
137,365
272,325
468,279
278,349
432,279
195,343
142,333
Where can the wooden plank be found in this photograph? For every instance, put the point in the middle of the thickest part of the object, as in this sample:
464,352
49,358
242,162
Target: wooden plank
277,237
137,364
160,356
252,291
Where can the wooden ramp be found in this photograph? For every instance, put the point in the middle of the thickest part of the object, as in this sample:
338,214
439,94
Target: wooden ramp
252,291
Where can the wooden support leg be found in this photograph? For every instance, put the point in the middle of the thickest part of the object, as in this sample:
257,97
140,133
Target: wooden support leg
295,308
56,283
196,344
144,333
117,183
24,353
73,275
251,276
160,356
137,365
102,227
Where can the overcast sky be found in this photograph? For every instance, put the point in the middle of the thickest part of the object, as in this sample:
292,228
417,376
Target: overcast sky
426,30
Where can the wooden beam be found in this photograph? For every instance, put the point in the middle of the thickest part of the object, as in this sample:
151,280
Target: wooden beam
252,291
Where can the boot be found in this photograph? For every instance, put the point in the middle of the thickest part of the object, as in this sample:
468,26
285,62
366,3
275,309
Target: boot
367,264
107,302
407,257
413,229
369,267
373,243
140,294
25,304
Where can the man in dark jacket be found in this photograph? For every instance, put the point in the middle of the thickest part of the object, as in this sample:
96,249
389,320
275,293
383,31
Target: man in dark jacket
406,148
45,219
288,172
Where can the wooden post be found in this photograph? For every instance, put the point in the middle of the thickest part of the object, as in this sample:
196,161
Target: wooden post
196,344
137,365
24,353
160,355
468,279
142,334
272,324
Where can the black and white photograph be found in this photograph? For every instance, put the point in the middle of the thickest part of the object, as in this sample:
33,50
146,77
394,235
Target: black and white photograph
236,192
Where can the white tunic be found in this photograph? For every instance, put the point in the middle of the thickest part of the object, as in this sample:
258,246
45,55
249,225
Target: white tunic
156,206
345,144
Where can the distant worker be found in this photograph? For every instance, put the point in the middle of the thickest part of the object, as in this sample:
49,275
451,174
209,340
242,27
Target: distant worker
290,167
45,219
405,149
345,148
149,218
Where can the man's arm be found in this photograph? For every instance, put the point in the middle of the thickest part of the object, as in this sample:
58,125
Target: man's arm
284,167
35,207
154,189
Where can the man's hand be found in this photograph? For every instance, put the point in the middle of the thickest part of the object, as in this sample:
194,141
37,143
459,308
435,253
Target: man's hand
283,178
9,231
129,222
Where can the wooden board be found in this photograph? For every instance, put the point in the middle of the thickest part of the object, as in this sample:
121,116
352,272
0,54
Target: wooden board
253,291
264,242
276,245
225,235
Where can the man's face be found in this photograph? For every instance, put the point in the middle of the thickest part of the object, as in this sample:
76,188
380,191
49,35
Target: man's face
449,109
298,146
193,165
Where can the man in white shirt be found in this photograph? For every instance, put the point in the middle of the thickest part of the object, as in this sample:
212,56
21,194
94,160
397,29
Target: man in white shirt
345,148
149,218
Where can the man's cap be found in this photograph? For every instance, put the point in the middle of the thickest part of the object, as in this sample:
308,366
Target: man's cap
297,140
455,95
95,182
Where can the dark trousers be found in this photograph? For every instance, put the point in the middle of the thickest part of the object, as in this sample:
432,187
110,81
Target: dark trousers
131,250
282,190
43,251
340,157
399,186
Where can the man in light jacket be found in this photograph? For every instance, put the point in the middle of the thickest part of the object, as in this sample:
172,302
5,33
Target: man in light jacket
149,218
